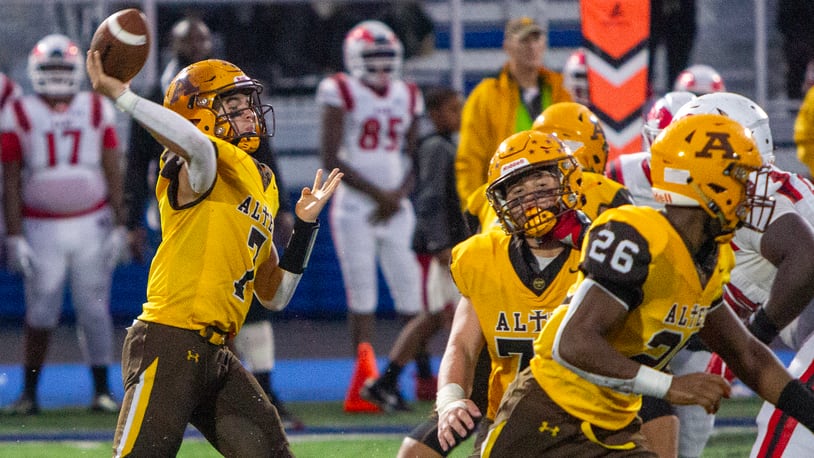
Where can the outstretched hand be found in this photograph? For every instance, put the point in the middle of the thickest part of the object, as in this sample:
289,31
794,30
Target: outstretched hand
313,200
100,81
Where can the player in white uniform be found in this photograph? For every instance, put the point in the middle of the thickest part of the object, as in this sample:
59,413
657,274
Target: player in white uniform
369,131
63,201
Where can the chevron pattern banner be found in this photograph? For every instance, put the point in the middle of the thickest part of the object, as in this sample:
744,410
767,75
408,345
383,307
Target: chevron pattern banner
615,36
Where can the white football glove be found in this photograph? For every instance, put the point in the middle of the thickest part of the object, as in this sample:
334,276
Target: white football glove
115,247
20,255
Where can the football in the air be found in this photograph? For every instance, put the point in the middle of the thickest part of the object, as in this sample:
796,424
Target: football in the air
123,41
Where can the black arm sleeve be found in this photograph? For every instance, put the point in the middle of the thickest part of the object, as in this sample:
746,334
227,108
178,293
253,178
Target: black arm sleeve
797,400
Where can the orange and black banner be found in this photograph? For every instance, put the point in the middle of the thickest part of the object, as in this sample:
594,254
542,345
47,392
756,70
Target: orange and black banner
615,36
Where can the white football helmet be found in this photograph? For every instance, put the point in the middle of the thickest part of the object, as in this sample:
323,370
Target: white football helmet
699,79
56,66
743,110
662,113
575,77
373,53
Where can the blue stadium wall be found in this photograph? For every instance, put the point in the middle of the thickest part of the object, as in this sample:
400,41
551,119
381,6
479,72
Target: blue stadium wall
320,295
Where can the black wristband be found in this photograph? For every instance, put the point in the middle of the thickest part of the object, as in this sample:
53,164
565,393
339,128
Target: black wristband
761,326
296,254
797,400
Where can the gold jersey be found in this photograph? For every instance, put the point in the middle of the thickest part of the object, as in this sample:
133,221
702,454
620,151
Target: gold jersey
200,276
602,193
512,298
635,253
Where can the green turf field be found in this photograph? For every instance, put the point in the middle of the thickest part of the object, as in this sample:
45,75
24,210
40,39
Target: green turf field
330,433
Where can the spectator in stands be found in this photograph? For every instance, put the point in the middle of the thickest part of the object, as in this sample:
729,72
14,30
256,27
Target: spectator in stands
277,41
794,19
493,110
672,25
412,25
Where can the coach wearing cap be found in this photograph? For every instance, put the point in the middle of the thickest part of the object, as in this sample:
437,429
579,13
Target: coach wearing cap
506,103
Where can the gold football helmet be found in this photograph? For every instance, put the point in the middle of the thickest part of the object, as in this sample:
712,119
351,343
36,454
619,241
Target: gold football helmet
196,93
705,161
578,128
533,210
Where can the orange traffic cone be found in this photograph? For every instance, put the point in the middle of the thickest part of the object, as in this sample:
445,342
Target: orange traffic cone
365,368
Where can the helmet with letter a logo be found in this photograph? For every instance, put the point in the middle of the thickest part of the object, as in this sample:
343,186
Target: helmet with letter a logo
705,161
742,109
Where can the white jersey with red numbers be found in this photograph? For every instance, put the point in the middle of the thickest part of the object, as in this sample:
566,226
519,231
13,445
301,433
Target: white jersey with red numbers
60,149
633,171
375,125
375,130
66,216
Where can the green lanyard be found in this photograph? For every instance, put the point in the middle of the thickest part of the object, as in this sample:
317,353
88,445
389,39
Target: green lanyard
523,119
